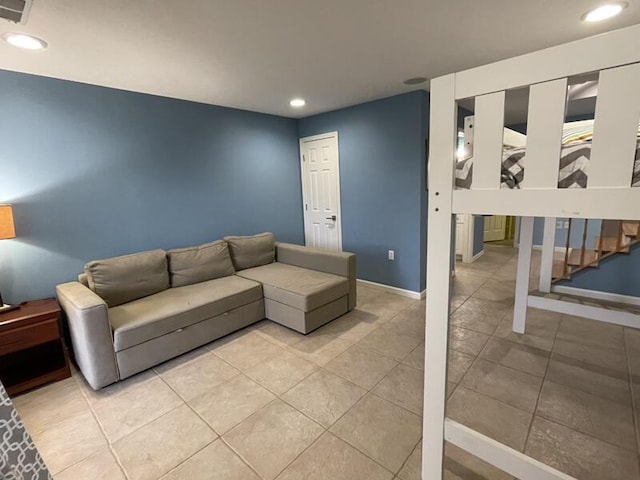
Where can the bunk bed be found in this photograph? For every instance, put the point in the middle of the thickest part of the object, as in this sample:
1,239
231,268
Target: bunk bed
575,153
605,193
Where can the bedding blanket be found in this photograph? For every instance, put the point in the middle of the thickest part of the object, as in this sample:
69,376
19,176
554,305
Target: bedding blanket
573,173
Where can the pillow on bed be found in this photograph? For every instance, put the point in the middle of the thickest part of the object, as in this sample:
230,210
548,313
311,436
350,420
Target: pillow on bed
577,134
581,131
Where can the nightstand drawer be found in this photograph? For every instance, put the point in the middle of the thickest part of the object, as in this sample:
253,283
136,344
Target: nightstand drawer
29,336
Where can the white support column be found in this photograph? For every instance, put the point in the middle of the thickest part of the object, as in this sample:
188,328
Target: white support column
548,247
443,136
522,275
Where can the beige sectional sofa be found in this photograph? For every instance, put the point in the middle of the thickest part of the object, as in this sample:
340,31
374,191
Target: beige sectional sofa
129,313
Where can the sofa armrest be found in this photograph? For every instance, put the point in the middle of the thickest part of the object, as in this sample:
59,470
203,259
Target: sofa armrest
91,336
337,263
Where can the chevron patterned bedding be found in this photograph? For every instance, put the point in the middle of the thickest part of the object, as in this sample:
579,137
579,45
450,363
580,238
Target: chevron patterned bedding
574,167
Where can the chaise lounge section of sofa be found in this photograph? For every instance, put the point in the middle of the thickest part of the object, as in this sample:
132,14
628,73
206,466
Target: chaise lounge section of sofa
127,314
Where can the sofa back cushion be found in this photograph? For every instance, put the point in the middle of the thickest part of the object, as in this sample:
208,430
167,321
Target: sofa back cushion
253,251
198,264
120,280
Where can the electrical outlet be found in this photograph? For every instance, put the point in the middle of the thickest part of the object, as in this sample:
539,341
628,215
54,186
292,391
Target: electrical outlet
566,225
391,255
559,224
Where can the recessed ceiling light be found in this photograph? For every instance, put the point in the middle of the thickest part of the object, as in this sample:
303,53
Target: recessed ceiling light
415,81
298,102
22,40
605,11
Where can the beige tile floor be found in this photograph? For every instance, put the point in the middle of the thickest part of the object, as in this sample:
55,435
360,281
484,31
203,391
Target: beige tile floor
345,402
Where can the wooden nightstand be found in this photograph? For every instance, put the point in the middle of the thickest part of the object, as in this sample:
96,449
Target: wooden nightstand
32,347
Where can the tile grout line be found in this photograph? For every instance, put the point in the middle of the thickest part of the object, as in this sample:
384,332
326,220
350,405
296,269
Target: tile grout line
104,433
237,453
328,430
544,379
572,427
406,460
204,421
277,397
631,391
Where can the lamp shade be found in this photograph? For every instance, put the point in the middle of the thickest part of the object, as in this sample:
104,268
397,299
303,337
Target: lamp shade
7,229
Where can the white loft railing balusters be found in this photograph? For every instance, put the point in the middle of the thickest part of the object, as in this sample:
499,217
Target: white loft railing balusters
547,106
615,127
487,144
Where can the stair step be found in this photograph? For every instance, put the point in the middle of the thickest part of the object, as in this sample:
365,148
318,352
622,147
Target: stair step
630,229
610,244
589,257
610,228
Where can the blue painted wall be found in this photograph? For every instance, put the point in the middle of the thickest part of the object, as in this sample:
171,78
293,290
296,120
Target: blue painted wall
577,229
424,200
616,274
382,181
478,234
95,172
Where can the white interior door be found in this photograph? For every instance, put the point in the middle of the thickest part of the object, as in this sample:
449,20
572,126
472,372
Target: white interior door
495,228
321,191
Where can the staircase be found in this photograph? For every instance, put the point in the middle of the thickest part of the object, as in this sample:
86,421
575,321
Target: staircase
616,237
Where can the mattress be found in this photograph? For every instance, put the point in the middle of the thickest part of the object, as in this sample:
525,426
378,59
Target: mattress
573,172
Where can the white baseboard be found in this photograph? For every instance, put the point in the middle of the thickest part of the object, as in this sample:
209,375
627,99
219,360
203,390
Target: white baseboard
477,255
398,291
610,297
539,247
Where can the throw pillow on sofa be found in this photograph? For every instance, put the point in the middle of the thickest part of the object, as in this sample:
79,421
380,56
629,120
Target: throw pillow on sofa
122,279
252,251
199,264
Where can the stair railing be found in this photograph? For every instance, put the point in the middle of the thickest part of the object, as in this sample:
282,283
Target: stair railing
623,244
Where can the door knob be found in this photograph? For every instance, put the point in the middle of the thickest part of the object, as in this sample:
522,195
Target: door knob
332,217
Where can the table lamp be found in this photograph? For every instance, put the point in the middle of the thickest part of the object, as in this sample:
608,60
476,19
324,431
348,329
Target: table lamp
7,230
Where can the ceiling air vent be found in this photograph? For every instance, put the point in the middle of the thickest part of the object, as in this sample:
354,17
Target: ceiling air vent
15,11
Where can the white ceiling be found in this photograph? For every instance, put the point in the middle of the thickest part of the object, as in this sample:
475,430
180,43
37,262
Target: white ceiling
258,54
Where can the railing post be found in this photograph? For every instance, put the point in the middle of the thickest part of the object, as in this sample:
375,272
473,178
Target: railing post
546,260
443,135
522,276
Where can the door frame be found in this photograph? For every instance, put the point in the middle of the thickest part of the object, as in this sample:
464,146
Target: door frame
303,183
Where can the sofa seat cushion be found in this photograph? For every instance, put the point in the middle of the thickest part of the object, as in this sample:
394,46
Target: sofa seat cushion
297,287
150,317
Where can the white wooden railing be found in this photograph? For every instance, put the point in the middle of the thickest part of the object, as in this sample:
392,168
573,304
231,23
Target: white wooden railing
615,56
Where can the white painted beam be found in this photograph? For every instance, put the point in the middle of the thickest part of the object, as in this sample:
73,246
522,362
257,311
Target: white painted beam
505,458
522,274
488,140
615,128
605,203
594,294
591,54
546,260
617,317
443,137
547,106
